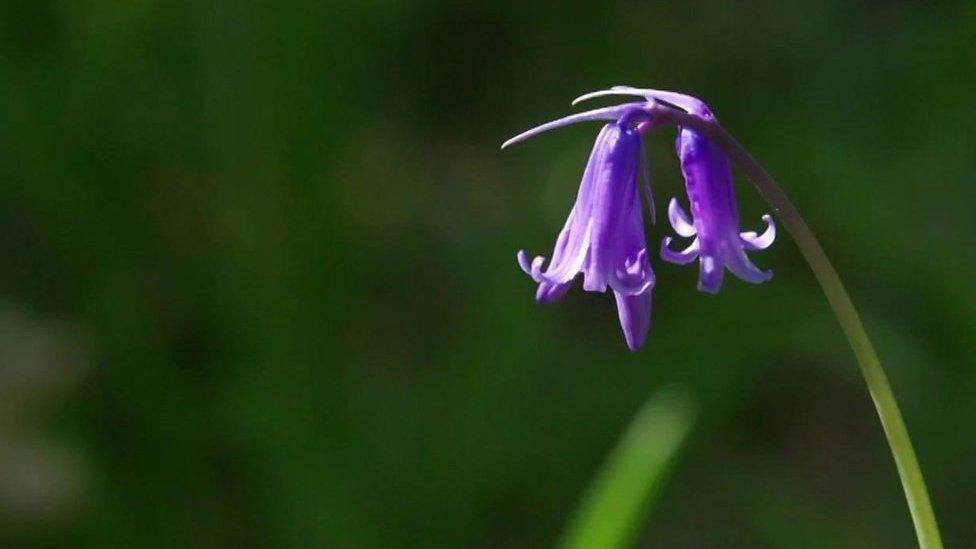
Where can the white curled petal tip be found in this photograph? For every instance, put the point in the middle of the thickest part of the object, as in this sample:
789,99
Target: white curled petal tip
679,219
752,241
523,261
605,113
534,269
679,258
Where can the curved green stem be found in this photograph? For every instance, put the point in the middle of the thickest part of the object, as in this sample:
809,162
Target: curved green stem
912,481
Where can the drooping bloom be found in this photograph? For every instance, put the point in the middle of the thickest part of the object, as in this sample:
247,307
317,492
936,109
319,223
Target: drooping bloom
714,223
603,237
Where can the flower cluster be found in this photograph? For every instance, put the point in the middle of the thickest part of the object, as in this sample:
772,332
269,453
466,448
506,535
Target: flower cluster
603,237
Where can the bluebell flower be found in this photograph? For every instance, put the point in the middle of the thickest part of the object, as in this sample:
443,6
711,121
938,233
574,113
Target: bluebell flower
714,223
603,237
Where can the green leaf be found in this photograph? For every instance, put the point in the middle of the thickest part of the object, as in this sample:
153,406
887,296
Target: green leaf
613,509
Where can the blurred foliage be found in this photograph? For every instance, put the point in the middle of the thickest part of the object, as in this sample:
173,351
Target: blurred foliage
612,511
278,239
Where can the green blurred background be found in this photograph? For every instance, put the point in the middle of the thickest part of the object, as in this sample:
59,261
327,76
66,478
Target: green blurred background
258,282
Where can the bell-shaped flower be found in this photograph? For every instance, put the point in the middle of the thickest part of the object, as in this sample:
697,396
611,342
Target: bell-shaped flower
714,222
603,237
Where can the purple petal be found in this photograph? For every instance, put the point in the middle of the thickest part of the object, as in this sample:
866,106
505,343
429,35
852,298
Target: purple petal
573,244
603,236
634,276
683,257
743,268
532,269
762,241
710,275
614,200
634,312
549,292
679,220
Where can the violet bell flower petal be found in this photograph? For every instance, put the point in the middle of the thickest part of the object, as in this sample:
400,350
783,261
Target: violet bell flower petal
603,236
718,242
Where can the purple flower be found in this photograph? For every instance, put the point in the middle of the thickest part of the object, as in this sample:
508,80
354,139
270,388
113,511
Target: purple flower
714,224
603,238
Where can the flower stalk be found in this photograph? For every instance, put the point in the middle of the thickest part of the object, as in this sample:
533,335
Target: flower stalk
705,151
895,431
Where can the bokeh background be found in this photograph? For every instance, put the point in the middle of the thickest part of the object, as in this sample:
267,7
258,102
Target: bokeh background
258,282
